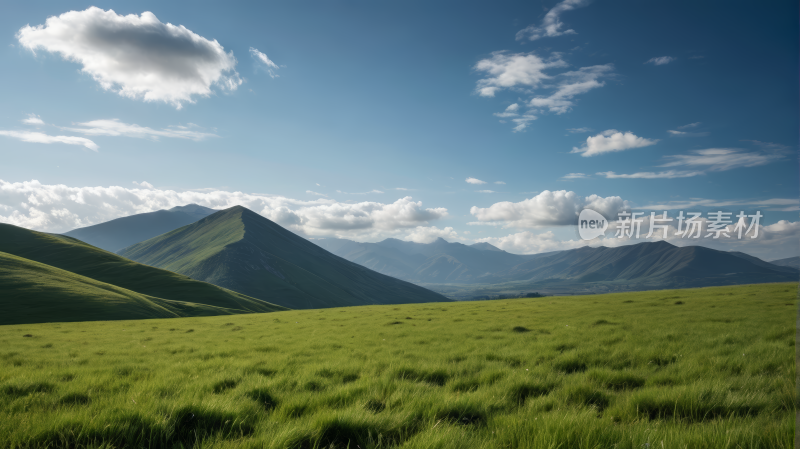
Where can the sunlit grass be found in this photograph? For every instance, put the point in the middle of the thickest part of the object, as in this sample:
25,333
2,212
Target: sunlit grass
699,368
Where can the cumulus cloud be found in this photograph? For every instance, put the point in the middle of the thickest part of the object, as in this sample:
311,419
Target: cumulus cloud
475,181
59,208
114,127
551,24
507,70
546,209
669,174
138,57
428,234
267,63
722,159
33,119
572,83
610,141
661,60
37,137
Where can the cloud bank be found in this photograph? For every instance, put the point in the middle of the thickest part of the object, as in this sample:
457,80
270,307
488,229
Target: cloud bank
138,57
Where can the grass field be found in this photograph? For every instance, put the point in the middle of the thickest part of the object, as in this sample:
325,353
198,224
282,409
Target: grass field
701,368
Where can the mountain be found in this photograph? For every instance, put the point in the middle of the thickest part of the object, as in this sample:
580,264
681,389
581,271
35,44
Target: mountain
436,262
71,255
33,292
793,262
240,250
117,234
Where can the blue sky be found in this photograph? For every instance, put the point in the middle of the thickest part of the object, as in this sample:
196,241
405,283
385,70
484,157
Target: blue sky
685,105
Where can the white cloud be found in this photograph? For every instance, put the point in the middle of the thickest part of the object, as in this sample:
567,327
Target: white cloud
610,141
779,204
270,66
574,83
551,23
59,208
522,122
359,193
578,130
527,242
114,127
33,119
722,159
574,176
690,125
661,60
677,133
510,111
475,181
137,57
486,191
423,234
511,70
315,193
547,209
143,184
669,174
36,137
500,182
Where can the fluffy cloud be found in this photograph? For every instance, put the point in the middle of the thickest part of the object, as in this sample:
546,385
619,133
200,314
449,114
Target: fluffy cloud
475,181
33,119
114,127
546,209
661,60
136,56
527,242
423,234
610,141
36,137
573,83
268,65
721,159
551,24
510,70
59,208
510,111
522,122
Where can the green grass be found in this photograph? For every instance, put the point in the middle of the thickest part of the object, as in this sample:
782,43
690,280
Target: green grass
26,296
700,368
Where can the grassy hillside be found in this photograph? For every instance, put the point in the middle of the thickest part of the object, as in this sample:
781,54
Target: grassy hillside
80,258
117,234
34,293
245,252
701,368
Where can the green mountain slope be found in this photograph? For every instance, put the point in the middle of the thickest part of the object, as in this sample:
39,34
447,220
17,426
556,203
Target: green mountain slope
117,234
245,252
32,292
83,259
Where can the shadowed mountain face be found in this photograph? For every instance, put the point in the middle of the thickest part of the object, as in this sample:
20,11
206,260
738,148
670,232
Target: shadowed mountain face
792,262
644,265
47,277
117,234
245,252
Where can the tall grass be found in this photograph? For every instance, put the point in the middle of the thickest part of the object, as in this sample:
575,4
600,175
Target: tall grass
632,370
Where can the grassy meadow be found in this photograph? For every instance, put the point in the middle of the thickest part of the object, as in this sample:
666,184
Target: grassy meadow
698,368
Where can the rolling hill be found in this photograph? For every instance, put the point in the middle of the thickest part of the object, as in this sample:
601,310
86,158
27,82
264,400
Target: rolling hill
117,234
71,255
240,250
33,292
793,262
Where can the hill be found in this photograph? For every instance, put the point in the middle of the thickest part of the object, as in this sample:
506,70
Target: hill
792,262
117,234
240,250
80,258
33,292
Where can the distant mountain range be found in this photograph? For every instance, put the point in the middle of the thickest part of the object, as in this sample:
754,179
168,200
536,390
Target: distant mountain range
117,234
50,278
240,250
649,265
793,262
